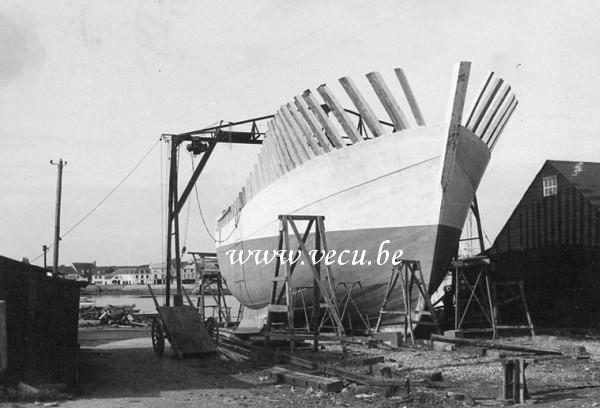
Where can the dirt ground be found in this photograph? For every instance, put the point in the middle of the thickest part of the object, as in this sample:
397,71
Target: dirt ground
118,368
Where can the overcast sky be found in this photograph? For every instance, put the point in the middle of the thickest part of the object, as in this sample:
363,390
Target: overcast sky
97,82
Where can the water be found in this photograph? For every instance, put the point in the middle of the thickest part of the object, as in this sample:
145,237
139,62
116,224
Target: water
146,305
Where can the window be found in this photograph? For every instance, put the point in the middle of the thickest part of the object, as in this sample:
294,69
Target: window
550,186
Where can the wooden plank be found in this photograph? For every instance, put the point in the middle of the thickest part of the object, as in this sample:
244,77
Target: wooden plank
496,136
296,132
456,106
484,104
366,113
313,124
186,329
338,111
287,141
332,133
296,378
292,159
388,101
303,128
492,112
410,97
491,345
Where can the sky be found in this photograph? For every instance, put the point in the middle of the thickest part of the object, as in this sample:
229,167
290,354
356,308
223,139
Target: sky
97,82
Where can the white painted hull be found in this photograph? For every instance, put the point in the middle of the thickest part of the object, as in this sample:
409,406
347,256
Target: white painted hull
386,188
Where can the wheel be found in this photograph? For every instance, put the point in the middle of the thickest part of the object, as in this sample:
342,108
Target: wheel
212,327
158,337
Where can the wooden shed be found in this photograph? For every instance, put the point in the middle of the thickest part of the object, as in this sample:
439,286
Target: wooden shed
552,242
41,322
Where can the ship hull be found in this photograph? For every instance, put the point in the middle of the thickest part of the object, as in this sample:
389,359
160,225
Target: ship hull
383,193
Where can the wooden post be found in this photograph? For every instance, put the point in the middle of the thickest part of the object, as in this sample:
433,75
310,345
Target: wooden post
454,117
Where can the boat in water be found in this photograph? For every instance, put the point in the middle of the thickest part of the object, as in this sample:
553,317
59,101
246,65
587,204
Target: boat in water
394,185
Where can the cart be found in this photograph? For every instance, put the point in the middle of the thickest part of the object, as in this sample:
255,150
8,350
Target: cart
183,327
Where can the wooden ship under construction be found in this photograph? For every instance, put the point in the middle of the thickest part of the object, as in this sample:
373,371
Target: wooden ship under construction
402,181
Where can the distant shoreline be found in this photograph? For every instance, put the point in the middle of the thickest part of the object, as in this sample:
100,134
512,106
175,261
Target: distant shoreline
92,290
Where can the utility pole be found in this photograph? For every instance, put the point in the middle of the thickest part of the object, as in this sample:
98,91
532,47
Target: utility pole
60,165
45,249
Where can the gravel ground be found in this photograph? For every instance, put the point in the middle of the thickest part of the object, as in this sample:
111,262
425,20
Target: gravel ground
122,371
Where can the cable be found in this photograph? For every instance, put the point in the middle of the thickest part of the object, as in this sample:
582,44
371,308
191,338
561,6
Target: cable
90,212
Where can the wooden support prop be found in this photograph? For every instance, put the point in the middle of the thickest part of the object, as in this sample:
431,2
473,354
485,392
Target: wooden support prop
388,101
503,123
480,94
490,345
313,124
304,129
484,104
332,133
458,92
340,114
296,132
492,112
410,97
366,113
297,153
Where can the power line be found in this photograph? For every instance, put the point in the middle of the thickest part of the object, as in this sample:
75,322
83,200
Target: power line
106,197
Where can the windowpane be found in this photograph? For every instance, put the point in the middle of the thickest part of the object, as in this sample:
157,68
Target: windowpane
550,186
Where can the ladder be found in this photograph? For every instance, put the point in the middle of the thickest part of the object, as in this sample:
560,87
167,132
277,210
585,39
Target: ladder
410,276
282,290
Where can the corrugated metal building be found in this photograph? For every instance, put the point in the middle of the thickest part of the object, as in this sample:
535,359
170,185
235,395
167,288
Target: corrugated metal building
552,242
42,315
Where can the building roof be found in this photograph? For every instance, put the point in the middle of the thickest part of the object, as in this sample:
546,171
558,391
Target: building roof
585,176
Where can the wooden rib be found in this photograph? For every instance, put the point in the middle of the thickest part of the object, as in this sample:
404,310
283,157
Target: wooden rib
505,107
296,132
480,94
284,161
241,199
291,141
485,102
291,163
388,101
493,111
410,97
244,196
303,128
338,111
249,187
313,124
257,178
502,123
264,171
458,92
332,133
366,113
272,159
279,158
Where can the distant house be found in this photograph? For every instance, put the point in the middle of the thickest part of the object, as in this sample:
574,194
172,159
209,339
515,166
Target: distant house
86,270
188,272
131,275
158,271
552,242
68,272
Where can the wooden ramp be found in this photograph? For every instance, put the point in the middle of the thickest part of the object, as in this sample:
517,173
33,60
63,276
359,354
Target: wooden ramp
186,331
